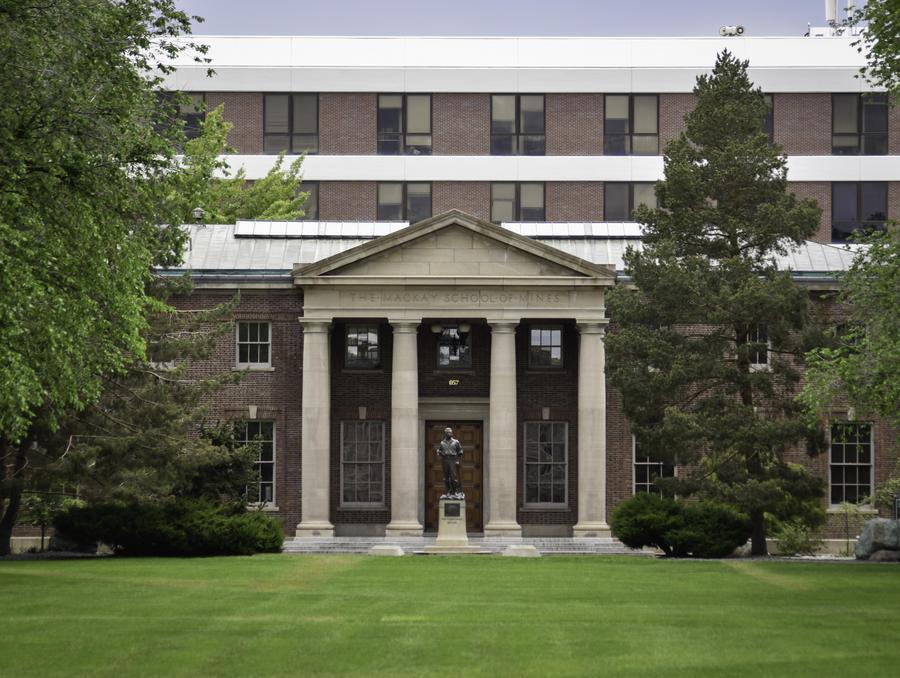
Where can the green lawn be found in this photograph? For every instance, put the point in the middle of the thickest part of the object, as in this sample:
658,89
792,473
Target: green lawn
342,615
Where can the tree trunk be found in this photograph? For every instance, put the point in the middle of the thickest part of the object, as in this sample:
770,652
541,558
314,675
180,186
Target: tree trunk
14,501
758,545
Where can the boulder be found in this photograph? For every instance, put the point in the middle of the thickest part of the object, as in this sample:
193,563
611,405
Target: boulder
885,556
879,534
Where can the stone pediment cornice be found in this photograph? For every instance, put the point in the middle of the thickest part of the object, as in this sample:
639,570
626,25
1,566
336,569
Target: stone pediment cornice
578,270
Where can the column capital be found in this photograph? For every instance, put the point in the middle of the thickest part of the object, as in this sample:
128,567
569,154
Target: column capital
502,325
404,326
312,325
592,326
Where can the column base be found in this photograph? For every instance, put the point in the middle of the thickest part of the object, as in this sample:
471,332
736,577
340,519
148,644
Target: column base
404,528
315,529
599,530
508,528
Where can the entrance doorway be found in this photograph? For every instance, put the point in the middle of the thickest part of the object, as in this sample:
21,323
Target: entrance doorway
471,471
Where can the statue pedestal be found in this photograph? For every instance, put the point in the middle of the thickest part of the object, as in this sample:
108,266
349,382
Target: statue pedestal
452,538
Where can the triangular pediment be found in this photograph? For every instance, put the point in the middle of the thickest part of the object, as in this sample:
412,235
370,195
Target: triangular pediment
454,244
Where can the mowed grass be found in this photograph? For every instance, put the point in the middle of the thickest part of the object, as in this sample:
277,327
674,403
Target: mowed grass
432,616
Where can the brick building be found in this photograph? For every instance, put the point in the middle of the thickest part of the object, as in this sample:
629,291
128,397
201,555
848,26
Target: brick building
470,202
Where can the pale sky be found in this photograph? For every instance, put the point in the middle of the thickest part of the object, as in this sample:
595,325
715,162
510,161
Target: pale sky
505,17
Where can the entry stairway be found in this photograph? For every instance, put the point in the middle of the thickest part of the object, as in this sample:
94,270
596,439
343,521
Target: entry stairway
547,546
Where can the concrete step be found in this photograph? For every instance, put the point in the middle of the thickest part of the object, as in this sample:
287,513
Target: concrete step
546,546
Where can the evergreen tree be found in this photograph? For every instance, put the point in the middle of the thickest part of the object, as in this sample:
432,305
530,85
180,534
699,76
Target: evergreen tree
707,305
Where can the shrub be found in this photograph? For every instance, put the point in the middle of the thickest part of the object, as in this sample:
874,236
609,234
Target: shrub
710,530
645,520
703,530
170,528
796,538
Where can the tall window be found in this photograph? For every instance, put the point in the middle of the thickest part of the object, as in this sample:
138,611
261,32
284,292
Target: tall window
648,469
262,435
546,461
517,124
517,202
859,124
291,123
851,461
631,124
621,199
758,337
361,349
404,124
769,119
362,463
545,346
311,206
857,205
454,348
398,201
254,344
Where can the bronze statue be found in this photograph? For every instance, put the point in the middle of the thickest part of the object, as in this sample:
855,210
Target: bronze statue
450,452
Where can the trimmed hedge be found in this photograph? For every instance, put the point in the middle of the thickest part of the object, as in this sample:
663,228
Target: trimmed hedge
679,529
171,528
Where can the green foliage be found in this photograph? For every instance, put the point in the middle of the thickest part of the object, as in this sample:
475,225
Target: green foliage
705,282
701,529
83,172
171,528
881,42
796,538
862,362
205,180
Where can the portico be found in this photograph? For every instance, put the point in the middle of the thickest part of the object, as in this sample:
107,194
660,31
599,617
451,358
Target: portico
454,271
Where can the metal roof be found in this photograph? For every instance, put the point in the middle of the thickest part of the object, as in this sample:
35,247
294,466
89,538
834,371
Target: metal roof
264,247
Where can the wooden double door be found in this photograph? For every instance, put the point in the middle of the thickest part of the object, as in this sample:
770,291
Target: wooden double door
471,472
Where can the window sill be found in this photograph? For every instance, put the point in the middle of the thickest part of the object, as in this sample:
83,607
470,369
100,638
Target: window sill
554,508
867,510
253,368
263,507
362,507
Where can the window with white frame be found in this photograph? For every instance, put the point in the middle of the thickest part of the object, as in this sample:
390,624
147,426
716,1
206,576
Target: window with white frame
758,338
546,462
262,435
850,465
647,470
362,463
254,344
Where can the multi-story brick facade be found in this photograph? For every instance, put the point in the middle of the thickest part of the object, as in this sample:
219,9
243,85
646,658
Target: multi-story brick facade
350,442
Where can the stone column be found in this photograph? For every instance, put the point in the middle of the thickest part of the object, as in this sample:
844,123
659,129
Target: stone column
315,440
591,432
406,455
502,438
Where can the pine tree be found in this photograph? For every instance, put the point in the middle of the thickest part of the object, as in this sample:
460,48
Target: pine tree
708,302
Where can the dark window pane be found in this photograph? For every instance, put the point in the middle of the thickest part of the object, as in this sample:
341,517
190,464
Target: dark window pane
418,197
503,114
531,112
874,202
306,114
645,108
276,118
276,143
844,114
532,199
615,202
532,144
503,144
503,200
843,202
390,202
616,144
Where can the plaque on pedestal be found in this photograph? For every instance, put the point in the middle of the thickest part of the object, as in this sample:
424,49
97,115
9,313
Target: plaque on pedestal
452,537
